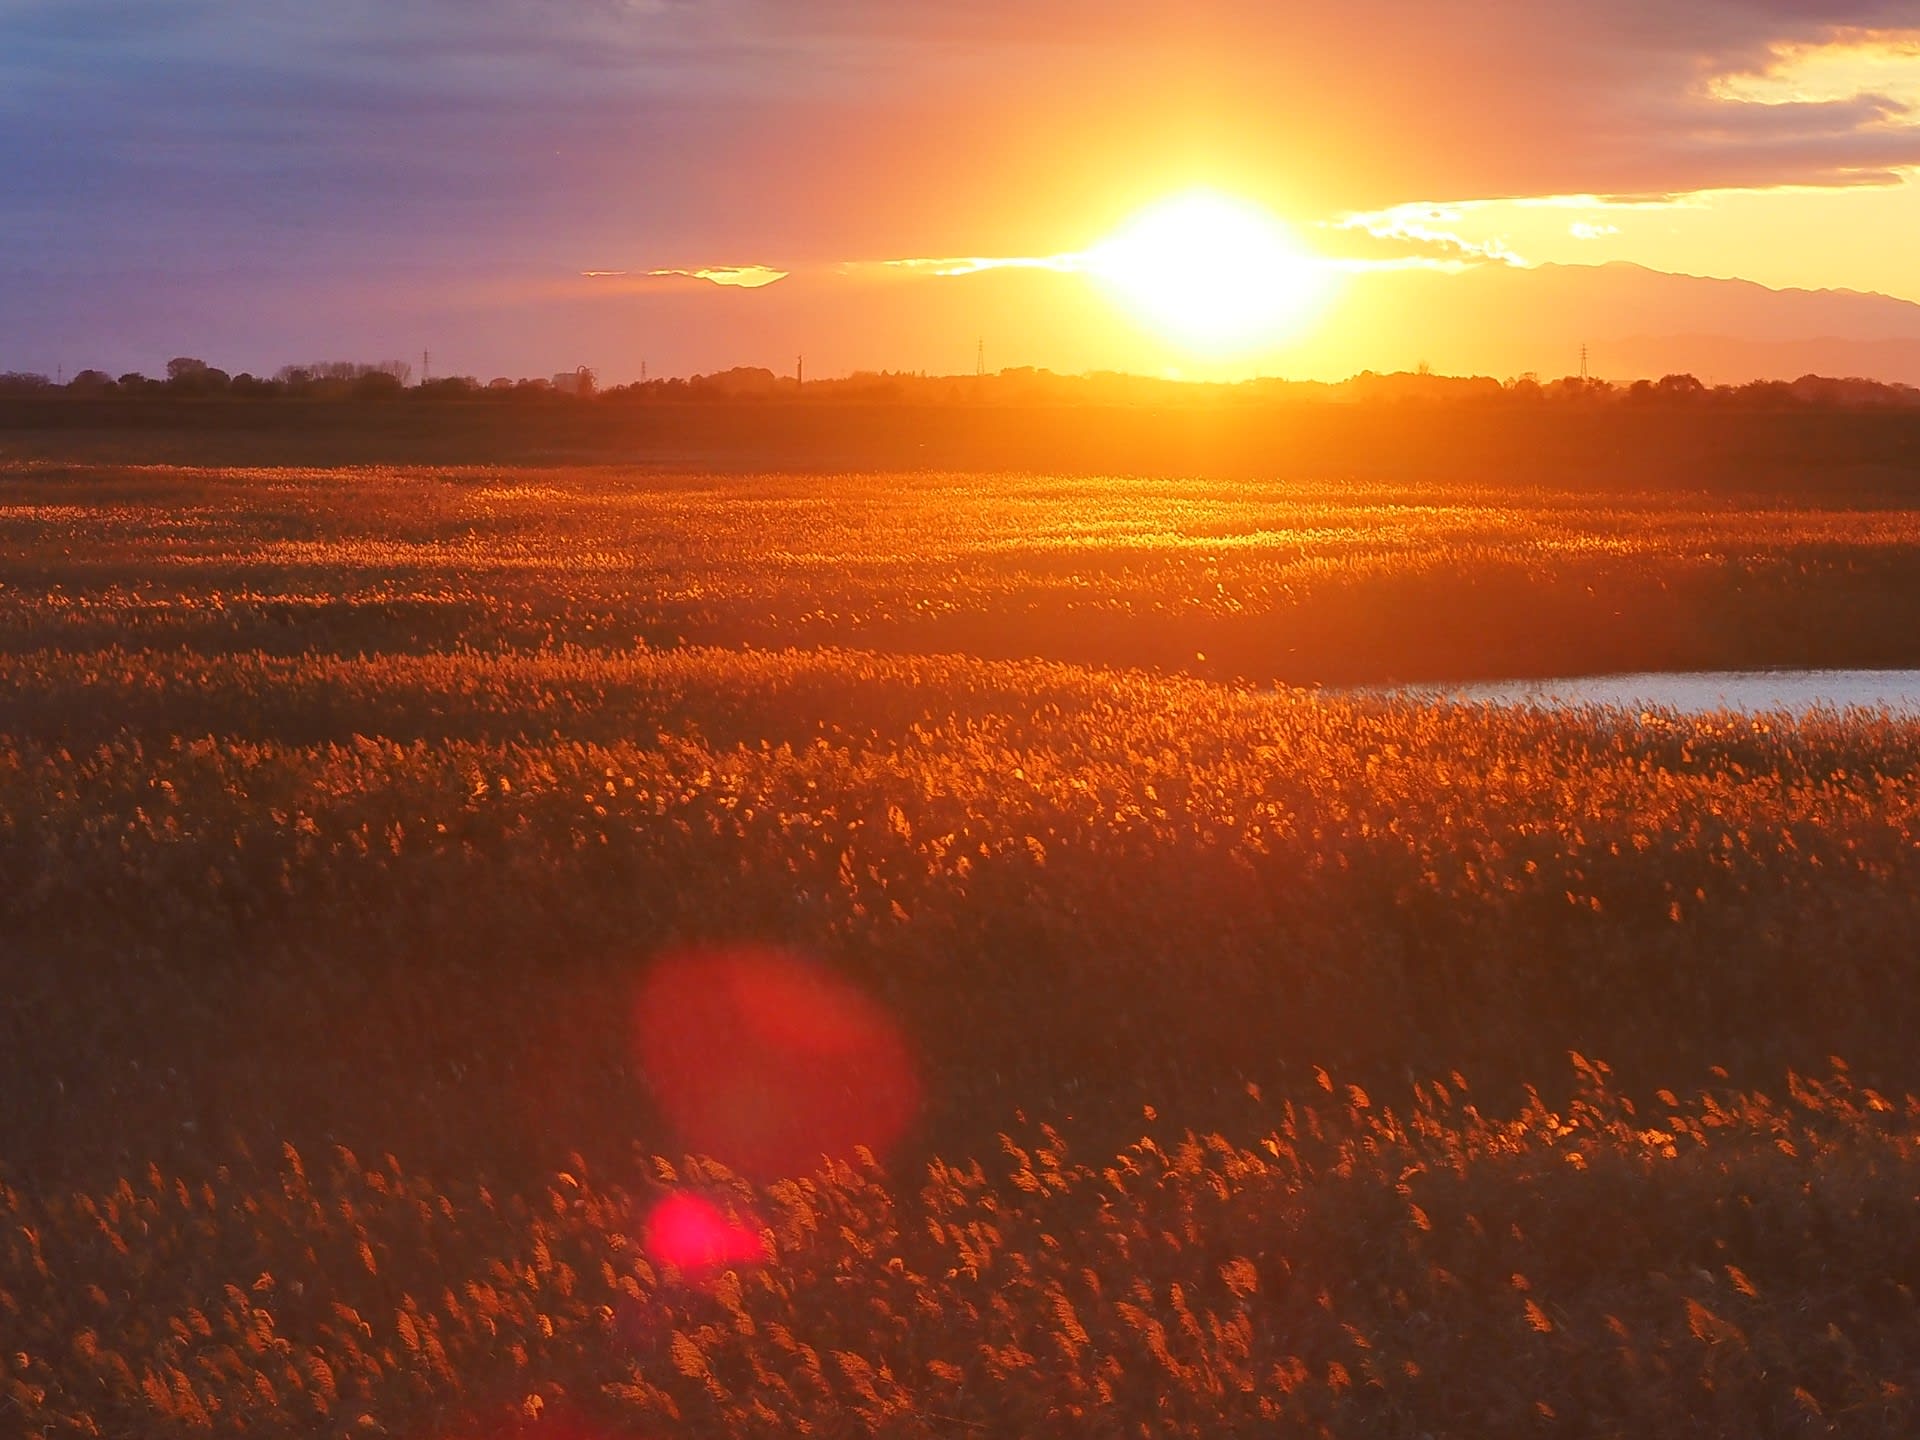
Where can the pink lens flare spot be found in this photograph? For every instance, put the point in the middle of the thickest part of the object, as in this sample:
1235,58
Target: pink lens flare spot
768,1063
695,1234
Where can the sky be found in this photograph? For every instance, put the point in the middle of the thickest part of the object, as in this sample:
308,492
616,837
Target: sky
523,186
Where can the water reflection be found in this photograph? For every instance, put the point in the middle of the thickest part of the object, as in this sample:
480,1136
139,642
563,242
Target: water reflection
1701,691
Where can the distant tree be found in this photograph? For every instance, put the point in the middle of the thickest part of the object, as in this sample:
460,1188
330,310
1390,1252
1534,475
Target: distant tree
134,380
1579,388
1853,391
91,382
337,378
1680,387
1768,393
376,384
449,386
189,376
741,380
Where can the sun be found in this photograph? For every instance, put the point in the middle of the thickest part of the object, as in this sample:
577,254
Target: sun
1218,273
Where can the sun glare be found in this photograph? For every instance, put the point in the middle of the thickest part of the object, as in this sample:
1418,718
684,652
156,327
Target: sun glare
1216,272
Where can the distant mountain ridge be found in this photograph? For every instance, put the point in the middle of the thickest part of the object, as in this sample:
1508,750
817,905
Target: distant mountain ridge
1633,321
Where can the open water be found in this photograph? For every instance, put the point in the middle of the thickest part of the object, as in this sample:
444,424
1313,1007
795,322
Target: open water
1751,692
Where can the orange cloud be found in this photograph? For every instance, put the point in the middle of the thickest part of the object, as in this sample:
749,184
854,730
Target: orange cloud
1423,236
745,277
974,264
1853,65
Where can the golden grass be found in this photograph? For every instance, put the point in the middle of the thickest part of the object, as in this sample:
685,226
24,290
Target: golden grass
1727,1264
1301,582
343,809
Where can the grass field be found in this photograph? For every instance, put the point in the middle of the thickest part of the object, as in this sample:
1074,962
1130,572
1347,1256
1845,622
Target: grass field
343,814
1306,583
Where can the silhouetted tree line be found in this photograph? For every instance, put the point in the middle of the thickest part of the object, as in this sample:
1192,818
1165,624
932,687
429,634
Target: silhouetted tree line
187,375
190,377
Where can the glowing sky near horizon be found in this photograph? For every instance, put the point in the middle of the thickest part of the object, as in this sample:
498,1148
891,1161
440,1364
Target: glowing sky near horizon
527,185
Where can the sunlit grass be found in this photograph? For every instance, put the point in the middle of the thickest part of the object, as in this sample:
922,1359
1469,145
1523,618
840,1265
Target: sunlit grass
1723,1263
1304,583
349,809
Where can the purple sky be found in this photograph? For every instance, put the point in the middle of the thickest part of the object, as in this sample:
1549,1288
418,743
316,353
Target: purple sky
262,182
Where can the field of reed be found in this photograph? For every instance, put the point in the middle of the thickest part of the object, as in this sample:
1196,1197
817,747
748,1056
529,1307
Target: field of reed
1728,1264
344,816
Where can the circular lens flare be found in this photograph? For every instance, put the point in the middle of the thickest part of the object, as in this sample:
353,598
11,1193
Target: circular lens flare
1218,273
695,1234
769,1063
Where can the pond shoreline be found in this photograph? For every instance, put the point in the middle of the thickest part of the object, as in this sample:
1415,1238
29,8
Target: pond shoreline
1752,692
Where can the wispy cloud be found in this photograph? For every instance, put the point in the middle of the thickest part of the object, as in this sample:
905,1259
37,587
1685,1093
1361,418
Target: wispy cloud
745,277
1424,235
1694,200
1066,262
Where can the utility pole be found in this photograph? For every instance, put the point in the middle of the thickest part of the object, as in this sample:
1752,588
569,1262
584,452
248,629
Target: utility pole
799,371
643,372
1583,363
426,366
980,357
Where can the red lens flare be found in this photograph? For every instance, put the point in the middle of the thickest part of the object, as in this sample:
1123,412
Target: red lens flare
696,1234
769,1063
